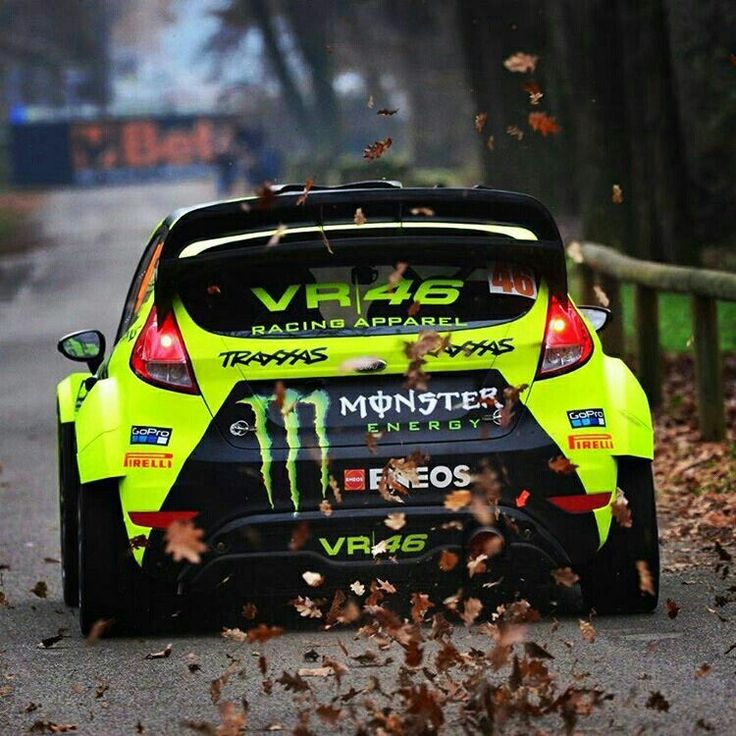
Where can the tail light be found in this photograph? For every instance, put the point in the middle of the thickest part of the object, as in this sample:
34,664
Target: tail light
567,342
159,356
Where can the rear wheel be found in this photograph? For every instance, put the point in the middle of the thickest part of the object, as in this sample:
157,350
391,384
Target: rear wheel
613,581
68,500
111,586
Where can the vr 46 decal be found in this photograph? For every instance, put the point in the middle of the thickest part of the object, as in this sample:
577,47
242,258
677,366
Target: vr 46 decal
362,545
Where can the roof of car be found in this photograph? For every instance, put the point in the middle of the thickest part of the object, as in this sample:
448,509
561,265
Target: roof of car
517,224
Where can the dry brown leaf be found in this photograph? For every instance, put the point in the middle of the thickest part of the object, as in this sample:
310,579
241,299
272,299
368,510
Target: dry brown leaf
385,586
544,124
278,233
586,630
165,653
357,587
521,62
359,218
234,635
515,132
377,149
299,536
420,604
306,607
646,582
262,633
703,670
395,521
325,507
99,629
315,672
448,560
491,143
385,112
480,121
565,576
672,608
575,251
313,579
458,499
562,465
657,701
477,565
617,195
471,610
620,510
601,296
40,589
535,94
379,548
302,198
370,102
424,211
184,542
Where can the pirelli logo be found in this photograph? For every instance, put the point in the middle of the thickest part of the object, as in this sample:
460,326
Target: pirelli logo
590,441
148,460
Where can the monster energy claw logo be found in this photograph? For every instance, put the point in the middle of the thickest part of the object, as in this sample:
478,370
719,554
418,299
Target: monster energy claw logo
292,400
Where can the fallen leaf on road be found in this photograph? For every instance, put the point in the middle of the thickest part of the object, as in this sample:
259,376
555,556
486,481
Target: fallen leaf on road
262,633
471,610
49,641
40,589
703,670
315,672
672,608
587,631
657,701
163,654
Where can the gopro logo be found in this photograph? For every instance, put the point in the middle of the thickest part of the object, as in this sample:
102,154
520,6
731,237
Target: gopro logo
586,418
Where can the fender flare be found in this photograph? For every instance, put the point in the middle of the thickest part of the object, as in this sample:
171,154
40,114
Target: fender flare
68,393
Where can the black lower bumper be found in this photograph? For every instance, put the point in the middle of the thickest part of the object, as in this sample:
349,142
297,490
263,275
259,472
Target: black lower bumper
265,555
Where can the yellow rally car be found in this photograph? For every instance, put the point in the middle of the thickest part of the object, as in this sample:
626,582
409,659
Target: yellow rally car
419,356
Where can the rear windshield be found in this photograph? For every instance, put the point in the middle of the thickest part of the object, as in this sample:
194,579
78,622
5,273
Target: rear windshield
355,296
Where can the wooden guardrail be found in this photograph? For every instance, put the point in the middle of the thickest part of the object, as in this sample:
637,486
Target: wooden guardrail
706,288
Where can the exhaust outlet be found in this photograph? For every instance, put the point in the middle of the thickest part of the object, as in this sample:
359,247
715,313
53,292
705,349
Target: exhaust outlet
488,541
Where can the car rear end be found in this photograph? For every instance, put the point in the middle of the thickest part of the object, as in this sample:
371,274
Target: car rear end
370,397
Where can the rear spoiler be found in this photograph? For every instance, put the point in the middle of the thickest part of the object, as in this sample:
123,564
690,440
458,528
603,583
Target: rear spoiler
381,202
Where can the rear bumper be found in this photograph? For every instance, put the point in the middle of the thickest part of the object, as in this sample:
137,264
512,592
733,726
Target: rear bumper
250,557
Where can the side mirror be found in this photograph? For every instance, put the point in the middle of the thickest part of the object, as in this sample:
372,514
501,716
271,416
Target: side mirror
598,317
85,346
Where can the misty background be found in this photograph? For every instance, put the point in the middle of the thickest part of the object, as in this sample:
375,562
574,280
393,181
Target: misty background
569,100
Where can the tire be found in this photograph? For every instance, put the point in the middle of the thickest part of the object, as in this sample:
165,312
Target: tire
111,586
68,501
610,583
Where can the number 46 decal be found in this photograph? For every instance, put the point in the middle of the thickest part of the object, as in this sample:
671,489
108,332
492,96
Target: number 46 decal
511,278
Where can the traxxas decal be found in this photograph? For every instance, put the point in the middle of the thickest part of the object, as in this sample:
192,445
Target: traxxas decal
483,347
231,358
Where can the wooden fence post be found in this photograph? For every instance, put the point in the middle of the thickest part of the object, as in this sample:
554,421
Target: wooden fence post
613,337
647,342
708,369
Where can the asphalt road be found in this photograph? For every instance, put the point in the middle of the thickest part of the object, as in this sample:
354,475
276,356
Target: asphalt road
93,240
